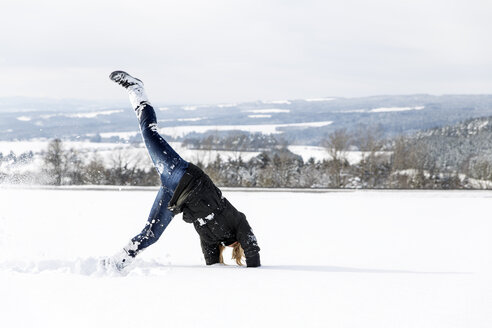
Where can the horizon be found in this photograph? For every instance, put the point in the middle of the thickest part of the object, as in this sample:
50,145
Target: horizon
268,101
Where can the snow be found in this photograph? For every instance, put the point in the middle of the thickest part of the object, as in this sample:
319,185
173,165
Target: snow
276,102
307,152
478,184
191,119
321,153
203,221
84,114
395,109
122,135
19,147
330,259
260,116
190,108
137,154
108,152
226,105
475,130
383,109
24,118
183,130
353,111
180,131
269,110
94,114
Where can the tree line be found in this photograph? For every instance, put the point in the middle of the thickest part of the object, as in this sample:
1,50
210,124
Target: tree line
400,163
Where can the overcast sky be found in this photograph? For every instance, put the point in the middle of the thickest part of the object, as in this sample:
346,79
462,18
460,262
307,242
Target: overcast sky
197,51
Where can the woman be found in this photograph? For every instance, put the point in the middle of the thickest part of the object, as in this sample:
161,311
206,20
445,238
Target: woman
184,188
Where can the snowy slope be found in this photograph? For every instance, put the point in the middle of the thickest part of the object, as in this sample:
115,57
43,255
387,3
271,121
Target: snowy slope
334,259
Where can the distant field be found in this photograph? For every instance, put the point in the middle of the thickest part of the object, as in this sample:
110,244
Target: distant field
193,155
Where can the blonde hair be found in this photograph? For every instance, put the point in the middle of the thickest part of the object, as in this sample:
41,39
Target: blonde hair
237,253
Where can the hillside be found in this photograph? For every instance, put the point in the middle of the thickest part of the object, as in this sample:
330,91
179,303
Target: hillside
302,122
461,146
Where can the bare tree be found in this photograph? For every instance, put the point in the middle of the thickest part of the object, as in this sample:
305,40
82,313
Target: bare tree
74,167
215,170
373,165
337,145
413,154
95,172
124,167
237,144
55,161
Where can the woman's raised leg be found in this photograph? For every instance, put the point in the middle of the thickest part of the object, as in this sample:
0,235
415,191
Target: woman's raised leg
170,166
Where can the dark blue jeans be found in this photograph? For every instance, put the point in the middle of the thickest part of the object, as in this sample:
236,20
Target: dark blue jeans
171,168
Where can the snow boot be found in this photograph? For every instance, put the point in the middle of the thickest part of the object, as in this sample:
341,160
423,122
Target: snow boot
121,260
134,86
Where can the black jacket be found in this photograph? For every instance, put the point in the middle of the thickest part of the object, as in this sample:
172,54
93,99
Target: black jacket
215,219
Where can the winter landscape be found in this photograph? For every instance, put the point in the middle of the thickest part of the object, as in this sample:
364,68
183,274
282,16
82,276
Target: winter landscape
390,142
330,259
350,256
355,136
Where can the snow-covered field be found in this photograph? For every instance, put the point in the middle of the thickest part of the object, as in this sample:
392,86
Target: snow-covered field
333,259
107,152
181,131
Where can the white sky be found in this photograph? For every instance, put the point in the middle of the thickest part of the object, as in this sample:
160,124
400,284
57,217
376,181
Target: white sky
196,51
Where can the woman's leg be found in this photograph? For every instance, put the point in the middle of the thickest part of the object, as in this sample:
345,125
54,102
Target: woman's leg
170,166
159,219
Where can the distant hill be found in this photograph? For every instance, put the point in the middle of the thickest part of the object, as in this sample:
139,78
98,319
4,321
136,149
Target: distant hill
303,121
461,146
